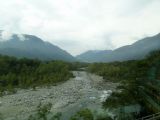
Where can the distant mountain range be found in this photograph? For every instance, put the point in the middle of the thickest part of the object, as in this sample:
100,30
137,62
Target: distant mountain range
93,55
30,46
138,50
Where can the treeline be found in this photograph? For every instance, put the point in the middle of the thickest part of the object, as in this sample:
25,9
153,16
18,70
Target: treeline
131,75
24,73
127,70
78,66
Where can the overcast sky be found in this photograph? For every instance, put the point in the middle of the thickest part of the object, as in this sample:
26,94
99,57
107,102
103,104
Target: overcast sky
80,25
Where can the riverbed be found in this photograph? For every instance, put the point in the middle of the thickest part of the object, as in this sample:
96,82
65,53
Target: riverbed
85,90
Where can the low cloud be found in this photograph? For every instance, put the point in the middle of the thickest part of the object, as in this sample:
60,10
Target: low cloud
6,35
21,37
84,22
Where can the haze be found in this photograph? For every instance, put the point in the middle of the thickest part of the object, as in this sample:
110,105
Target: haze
81,25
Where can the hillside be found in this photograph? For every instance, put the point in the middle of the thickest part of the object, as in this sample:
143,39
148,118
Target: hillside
93,55
30,46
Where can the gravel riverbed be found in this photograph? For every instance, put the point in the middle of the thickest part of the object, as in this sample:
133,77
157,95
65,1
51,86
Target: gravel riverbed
85,90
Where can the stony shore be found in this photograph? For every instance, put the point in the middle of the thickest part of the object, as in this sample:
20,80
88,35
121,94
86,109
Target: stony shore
84,90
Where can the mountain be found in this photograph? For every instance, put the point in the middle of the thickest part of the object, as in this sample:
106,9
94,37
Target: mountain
93,55
137,50
30,46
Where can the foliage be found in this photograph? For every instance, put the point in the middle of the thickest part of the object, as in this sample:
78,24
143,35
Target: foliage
43,112
128,71
87,114
24,73
104,118
78,65
119,71
131,75
84,114
1,117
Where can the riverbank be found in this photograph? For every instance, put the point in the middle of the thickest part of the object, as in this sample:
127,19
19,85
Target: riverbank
85,90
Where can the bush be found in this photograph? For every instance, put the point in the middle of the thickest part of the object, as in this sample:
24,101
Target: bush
84,114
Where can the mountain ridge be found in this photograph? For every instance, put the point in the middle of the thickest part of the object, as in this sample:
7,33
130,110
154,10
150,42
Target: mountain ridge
30,46
137,50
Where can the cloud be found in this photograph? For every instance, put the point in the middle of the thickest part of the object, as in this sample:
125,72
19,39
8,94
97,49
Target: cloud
6,35
21,37
79,25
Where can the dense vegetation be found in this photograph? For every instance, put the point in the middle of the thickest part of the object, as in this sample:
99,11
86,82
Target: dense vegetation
43,112
136,70
131,75
24,73
78,66
87,114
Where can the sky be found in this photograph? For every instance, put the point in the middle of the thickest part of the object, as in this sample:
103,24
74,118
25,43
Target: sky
81,25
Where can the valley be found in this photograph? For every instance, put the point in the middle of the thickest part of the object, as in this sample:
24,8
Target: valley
84,91
80,60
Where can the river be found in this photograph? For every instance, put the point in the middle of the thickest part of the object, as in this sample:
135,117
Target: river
84,91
